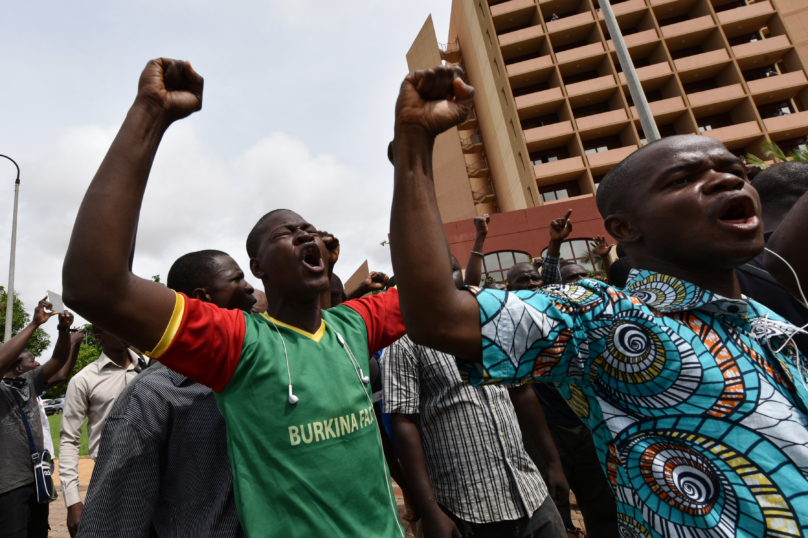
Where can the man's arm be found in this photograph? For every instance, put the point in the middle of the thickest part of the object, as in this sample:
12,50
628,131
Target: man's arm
531,417
413,460
394,465
96,278
787,246
64,371
10,351
436,314
474,267
375,281
75,412
559,229
61,351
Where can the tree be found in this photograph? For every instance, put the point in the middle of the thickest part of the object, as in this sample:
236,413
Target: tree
40,341
772,150
90,351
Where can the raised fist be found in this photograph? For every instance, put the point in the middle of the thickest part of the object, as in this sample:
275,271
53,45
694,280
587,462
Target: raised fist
171,87
65,319
481,223
433,100
332,244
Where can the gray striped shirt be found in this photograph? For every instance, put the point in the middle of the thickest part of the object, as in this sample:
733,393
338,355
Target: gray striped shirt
475,458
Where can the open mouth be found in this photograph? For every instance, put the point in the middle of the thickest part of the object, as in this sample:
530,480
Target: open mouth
312,258
740,213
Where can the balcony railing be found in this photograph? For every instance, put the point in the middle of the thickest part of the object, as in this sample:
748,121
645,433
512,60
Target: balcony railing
760,53
471,121
737,135
688,27
471,141
778,88
477,168
746,19
483,195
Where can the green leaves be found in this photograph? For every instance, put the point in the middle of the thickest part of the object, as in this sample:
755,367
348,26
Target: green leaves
39,342
773,151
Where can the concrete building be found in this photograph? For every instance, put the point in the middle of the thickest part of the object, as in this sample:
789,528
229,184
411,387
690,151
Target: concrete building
553,114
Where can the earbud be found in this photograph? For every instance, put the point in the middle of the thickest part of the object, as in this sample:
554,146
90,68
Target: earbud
365,379
341,341
292,398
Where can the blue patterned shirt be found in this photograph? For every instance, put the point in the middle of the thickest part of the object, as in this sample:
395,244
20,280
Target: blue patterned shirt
698,416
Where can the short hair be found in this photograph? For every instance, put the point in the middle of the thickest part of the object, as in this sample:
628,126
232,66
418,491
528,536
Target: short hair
782,184
618,272
254,237
193,270
615,187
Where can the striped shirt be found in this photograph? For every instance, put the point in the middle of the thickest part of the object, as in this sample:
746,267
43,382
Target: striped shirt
475,458
162,467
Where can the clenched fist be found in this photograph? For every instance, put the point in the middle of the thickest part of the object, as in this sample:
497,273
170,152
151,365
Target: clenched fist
433,100
171,88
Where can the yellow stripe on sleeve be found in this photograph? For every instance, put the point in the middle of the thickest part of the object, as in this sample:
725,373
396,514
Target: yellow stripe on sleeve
171,329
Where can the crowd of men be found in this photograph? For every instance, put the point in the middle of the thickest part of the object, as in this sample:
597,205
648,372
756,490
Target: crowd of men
667,393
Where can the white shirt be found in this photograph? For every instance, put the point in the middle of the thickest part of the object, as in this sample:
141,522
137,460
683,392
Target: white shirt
90,394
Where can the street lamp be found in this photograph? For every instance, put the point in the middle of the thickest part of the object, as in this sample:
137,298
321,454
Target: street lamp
10,290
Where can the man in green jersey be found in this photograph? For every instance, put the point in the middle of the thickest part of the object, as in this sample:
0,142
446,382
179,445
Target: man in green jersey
291,383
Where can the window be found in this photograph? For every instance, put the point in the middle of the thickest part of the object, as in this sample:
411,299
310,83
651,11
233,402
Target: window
700,85
496,64
599,145
684,53
579,251
549,155
708,123
491,41
505,96
781,108
513,128
533,88
532,200
559,191
540,121
522,160
496,264
597,180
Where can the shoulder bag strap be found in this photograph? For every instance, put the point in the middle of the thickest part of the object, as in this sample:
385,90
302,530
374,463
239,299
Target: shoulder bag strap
27,430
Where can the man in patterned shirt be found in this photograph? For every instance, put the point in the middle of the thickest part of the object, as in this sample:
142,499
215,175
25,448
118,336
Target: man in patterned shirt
696,400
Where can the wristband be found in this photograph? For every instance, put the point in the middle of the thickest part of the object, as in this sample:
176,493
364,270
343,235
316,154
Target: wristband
478,253
66,329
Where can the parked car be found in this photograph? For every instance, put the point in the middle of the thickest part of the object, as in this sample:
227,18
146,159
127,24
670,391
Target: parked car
54,406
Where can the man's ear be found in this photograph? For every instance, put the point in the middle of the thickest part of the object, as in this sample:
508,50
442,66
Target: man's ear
620,227
201,294
255,269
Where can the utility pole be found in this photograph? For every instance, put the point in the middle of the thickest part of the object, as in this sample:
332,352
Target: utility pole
649,126
10,289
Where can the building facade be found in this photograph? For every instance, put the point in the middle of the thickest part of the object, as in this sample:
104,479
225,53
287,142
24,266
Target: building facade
553,114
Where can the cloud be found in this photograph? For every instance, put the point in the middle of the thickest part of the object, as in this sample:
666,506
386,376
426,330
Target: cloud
196,200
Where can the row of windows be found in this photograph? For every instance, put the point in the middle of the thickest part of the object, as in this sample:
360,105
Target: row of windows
497,264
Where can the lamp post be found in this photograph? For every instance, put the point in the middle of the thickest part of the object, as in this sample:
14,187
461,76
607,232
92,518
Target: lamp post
647,121
10,289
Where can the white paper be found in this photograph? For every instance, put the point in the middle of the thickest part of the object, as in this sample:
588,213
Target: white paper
56,300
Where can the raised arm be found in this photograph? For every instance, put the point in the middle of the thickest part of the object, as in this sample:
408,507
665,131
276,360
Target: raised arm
10,351
375,281
603,248
787,246
61,351
474,268
559,229
436,314
64,372
96,276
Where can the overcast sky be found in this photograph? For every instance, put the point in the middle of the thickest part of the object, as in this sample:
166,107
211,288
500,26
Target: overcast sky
298,112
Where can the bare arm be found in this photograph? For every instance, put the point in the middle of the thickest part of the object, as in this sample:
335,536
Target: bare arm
474,268
413,461
603,248
10,351
788,242
64,371
436,314
96,275
531,417
61,351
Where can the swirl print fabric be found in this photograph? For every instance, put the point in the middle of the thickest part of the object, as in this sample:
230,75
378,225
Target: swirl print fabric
697,403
